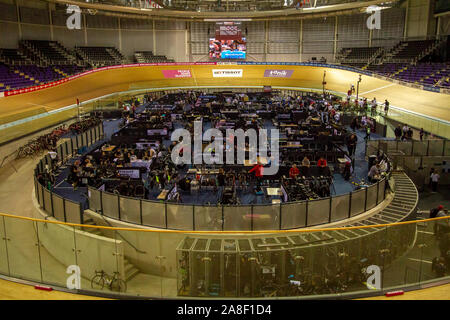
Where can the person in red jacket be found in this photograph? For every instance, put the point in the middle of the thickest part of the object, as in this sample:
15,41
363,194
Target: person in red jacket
258,169
322,164
294,171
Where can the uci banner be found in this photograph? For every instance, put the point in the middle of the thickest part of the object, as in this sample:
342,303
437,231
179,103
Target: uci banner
278,73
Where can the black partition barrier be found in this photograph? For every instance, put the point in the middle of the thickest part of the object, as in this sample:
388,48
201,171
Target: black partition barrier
290,215
284,216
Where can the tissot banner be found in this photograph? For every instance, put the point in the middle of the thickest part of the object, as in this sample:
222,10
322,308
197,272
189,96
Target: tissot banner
227,73
278,73
170,74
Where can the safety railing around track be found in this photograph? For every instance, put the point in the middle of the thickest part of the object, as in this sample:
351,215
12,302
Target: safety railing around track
292,264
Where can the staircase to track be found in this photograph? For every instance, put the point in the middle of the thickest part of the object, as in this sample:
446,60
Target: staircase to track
130,270
404,202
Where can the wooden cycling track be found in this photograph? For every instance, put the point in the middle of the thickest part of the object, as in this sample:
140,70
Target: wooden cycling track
110,81
16,291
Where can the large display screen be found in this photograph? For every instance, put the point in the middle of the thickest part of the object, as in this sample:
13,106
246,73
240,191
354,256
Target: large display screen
227,49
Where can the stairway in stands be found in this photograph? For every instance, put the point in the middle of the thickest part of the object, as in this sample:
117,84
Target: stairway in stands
130,269
404,202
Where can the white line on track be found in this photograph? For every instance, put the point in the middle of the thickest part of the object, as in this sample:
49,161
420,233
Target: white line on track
386,86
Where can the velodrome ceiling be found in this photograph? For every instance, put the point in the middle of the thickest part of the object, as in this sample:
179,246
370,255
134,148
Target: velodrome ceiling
226,9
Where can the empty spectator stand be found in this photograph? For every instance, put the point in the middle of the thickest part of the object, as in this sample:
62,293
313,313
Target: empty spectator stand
11,79
149,57
387,69
100,56
40,74
14,57
47,52
358,57
410,51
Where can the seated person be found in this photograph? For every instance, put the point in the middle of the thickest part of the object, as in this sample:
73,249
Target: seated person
322,164
306,162
383,166
374,173
305,166
294,171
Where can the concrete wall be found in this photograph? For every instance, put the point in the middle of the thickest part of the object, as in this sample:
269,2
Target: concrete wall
419,18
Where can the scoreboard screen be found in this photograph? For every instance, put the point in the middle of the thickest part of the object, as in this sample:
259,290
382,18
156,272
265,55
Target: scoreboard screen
228,42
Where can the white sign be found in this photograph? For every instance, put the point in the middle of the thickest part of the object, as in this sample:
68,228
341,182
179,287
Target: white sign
227,73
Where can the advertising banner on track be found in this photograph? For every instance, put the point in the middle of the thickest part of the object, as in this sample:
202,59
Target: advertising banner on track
278,73
228,73
171,74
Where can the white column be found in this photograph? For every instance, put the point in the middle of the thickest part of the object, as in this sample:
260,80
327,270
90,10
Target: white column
300,40
85,30
405,31
335,38
50,20
438,27
18,20
154,37
120,34
266,40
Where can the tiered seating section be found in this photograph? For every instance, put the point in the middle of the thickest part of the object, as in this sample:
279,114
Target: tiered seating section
101,56
38,62
359,55
13,57
408,51
149,57
402,61
50,52
10,80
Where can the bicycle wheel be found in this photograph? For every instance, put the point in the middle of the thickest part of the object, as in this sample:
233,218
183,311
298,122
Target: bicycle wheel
118,285
98,282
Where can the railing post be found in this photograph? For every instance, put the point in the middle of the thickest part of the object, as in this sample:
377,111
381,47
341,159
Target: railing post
307,213
280,216
101,202
64,209
81,214
251,218
118,205
428,147
365,200
350,204
223,218
51,202
378,189
329,215
165,213
140,210
193,217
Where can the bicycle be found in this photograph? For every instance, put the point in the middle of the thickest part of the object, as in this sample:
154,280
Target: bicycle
114,283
